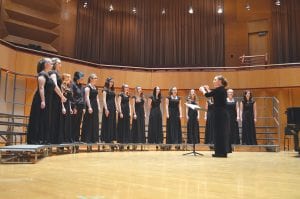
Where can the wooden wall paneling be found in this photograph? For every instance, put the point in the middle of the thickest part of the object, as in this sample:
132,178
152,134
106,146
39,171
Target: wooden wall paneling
8,57
65,43
288,77
239,22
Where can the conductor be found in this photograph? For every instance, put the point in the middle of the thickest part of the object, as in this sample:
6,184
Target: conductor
220,120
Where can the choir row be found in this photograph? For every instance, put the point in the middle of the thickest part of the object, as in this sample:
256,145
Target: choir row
61,106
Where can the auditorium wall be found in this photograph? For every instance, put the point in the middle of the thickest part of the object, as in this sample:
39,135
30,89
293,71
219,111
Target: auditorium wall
240,22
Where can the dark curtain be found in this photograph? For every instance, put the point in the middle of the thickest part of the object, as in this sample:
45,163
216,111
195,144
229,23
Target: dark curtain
286,31
150,38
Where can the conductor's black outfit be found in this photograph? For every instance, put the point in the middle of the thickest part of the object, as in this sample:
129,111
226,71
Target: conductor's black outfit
221,126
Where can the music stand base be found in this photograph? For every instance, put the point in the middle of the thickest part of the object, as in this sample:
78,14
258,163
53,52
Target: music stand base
193,152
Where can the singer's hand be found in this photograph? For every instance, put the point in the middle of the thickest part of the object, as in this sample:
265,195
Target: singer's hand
43,104
63,99
64,111
106,112
201,89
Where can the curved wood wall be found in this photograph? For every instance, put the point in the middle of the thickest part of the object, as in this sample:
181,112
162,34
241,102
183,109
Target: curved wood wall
276,76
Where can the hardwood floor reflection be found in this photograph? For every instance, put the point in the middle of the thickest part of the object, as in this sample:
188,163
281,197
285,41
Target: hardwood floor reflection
154,175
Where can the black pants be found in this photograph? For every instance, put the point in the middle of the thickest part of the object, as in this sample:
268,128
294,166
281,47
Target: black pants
221,130
76,124
296,141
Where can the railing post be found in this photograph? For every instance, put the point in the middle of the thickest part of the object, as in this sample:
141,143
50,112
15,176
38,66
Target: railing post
266,59
0,76
276,116
5,89
279,124
10,139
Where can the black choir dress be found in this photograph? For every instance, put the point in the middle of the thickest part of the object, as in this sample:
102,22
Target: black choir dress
90,123
193,136
40,119
174,133
248,124
155,131
79,105
138,124
220,121
123,128
56,137
109,126
66,120
234,137
209,128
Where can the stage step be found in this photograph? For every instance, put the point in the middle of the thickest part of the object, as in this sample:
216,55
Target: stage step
31,153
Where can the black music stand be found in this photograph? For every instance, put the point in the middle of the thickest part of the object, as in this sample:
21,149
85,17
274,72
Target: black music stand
194,147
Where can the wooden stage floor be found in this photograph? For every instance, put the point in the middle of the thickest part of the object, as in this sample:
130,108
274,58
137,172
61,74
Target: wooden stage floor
154,174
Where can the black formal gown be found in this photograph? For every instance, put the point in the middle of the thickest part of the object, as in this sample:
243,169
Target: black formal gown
220,121
38,131
79,105
138,124
234,137
209,125
66,120
174,133
248,124
123,128
56,136
193,135
109,126
155,131
90,123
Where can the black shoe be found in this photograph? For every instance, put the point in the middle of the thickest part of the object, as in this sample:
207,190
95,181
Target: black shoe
219,155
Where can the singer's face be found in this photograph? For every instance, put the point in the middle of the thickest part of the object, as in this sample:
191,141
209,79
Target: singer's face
126,89
111,83
157,90
174,91
48,65
80,81
139,89
94,80
248,94
58,66
192,92
230,93
68,79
